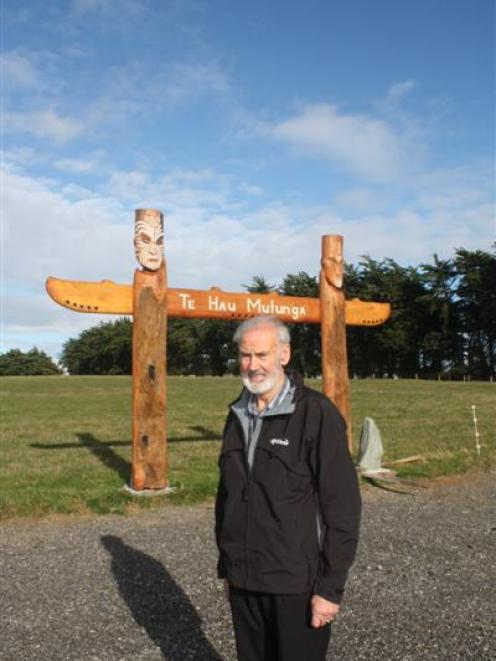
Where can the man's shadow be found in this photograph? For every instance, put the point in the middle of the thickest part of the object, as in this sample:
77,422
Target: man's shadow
158,604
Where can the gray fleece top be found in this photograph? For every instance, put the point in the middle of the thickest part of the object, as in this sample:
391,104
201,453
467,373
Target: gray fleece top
245,408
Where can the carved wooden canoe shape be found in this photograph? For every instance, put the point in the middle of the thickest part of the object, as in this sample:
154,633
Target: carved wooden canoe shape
108,297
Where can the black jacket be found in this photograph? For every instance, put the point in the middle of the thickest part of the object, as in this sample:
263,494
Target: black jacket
266,518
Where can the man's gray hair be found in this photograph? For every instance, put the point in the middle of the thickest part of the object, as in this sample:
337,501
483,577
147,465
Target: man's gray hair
258,322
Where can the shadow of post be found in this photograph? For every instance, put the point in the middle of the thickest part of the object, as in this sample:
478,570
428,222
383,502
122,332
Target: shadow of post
158,604
206,434
202,434
106,455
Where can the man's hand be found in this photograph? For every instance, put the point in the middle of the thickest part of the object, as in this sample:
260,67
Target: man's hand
323,611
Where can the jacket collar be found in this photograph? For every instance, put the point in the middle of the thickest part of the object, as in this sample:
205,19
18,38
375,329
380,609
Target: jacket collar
296,381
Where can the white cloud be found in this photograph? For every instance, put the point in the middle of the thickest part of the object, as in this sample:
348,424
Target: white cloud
365,146
363,200
33,319
251,190
76,192
182,80
19,156
177,190
90,163
17,70
44,124
212,239
399,90
133,91
466,186
46,230
121,95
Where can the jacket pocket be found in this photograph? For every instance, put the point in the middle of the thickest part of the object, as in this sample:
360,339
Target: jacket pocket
289,452
280,475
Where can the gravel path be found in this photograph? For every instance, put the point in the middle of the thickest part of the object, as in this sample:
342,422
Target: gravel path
144,587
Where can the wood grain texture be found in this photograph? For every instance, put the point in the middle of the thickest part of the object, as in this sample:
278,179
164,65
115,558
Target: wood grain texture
107,297
335,383
149,406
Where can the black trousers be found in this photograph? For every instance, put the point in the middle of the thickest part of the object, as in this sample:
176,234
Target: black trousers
276,627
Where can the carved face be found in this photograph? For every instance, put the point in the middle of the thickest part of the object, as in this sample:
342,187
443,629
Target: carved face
149,242
334,269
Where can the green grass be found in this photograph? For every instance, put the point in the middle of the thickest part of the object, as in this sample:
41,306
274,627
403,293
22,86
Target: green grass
65,441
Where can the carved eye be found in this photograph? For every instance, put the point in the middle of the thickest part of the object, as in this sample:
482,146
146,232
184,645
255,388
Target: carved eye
144,238
160,241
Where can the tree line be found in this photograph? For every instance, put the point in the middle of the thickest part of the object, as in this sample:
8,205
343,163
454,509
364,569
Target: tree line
443,317
443,324
27,363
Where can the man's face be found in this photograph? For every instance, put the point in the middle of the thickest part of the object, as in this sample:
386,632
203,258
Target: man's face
262,358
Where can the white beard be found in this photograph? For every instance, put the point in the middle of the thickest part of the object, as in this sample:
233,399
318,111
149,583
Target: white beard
264,386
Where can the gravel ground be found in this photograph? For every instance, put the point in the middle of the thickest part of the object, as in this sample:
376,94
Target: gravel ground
144,587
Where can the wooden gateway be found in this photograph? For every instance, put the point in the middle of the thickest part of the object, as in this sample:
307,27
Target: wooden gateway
150,302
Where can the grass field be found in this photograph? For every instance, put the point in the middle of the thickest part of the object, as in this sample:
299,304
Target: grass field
65,441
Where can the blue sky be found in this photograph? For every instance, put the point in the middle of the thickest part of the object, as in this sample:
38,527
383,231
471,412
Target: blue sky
255,126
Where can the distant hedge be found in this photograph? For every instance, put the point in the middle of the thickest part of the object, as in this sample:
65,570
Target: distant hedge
30,363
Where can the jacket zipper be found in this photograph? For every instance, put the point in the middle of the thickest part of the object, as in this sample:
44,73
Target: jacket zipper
246,499
248,486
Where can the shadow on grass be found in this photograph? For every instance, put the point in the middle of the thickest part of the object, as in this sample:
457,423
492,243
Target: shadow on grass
203,434
157,603
102,451
106,455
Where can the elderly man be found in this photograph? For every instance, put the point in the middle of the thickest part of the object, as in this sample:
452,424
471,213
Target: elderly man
288,505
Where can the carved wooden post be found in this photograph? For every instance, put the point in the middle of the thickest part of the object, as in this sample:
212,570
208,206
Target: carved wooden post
333,328
149,428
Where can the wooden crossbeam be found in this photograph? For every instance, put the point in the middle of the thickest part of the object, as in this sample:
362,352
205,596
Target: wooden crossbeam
107,297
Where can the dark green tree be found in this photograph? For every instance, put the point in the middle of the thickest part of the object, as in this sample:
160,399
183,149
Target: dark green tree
30,363
102,349
395,347
442,345
217,346
476,290
184,355
200,346
443,321
259,285
305,338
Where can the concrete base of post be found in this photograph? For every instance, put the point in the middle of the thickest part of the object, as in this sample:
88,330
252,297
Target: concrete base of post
148,492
